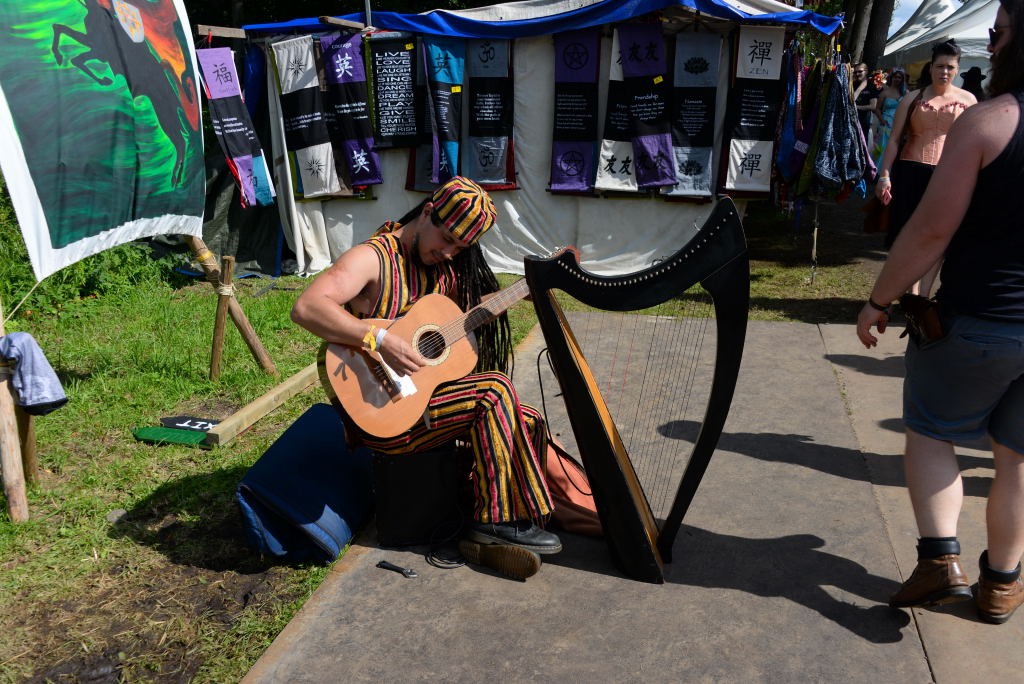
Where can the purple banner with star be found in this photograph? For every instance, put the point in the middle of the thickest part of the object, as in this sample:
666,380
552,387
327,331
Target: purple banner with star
346,109
574,137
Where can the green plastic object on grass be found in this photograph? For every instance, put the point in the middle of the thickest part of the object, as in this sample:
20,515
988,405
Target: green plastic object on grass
165,435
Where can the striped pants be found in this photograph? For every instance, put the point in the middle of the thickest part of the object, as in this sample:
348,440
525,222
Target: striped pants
507,439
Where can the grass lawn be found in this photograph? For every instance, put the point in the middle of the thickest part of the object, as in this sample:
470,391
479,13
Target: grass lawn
133,566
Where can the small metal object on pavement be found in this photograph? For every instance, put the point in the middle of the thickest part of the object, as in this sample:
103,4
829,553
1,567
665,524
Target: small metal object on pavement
408,572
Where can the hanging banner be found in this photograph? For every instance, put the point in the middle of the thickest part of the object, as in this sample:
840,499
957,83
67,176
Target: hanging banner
754,106
347,110
695,82
436,158
305,127
99,125
574,136
392,71
489,155
645,73
234,130
615,166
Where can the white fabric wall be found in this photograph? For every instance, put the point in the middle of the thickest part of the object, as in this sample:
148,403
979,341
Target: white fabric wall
613,235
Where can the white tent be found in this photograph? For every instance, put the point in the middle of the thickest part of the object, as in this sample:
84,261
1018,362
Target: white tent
968,26
927,16
613,235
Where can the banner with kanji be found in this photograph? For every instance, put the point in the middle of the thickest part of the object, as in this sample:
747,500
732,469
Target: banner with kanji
100,126
436,158
636,153
348,110
233,127
754,106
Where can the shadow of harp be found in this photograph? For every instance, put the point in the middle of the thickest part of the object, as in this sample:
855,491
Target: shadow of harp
716,257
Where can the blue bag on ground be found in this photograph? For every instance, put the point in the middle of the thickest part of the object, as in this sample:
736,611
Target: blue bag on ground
307,496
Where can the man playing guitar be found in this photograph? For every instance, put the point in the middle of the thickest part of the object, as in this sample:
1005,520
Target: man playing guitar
433,249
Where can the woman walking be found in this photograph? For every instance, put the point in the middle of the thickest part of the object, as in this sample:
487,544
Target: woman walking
929,113
970,382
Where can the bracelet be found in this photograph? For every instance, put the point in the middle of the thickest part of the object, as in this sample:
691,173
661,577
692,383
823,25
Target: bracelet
884,178
379,337
370,339
876,306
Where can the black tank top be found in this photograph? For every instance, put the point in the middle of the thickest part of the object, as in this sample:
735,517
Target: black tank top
983,271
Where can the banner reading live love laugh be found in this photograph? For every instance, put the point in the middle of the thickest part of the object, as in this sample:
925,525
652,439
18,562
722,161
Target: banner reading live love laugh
574,136
233,127
754,104
392,70
99,125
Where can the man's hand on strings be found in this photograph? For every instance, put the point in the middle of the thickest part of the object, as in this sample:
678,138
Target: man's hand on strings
400,355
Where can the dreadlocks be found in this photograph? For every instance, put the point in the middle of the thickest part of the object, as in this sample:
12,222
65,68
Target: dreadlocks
475,279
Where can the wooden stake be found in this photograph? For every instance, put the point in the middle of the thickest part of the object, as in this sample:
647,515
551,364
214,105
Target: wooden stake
27,436
242,419
224,297
209,263
10,448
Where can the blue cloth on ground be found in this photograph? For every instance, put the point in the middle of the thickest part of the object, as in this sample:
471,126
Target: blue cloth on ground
36,385
309,493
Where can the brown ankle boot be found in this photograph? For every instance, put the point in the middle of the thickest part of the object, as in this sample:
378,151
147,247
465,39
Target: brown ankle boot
935,581
998,600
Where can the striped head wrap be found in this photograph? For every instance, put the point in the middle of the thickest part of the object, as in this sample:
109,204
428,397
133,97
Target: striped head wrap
464,208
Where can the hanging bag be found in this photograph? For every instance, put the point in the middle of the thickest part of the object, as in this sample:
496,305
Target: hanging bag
575,510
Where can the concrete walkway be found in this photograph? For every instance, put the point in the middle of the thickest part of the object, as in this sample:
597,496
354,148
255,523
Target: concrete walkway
798,534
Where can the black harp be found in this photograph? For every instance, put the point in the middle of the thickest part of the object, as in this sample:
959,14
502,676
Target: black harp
716,257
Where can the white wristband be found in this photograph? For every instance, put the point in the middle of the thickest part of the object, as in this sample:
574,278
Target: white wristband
379,337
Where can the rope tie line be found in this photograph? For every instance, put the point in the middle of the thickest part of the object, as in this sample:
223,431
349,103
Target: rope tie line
226,290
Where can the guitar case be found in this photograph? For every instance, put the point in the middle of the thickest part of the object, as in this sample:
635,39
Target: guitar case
308,494
419,497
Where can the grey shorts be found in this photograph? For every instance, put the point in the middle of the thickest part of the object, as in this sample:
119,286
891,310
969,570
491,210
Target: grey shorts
969,383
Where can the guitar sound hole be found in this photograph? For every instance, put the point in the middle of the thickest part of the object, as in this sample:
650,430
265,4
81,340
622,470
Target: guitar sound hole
431,344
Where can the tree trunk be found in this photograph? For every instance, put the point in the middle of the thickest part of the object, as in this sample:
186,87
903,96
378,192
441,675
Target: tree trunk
858,30
881,17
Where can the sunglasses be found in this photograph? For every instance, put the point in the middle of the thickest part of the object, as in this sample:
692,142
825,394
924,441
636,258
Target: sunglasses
993,33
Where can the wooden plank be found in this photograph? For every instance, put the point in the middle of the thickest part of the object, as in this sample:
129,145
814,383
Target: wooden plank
245,417
203,30
342,22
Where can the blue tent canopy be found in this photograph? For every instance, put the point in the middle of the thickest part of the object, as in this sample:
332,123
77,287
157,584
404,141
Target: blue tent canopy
440,22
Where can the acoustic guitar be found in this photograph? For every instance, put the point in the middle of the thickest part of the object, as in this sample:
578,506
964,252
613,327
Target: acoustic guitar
386,404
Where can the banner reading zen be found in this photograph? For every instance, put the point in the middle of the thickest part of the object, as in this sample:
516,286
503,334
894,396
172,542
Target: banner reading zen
754,105
99,125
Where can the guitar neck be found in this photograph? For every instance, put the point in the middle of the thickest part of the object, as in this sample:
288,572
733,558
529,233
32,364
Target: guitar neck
485,312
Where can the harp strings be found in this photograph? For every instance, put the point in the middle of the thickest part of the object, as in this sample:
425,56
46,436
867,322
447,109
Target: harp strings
653,375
